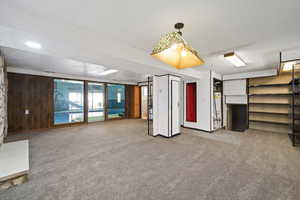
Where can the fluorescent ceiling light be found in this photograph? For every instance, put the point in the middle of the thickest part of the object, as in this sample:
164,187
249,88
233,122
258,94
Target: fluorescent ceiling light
288,66
33,45
95,66
110,71
234,59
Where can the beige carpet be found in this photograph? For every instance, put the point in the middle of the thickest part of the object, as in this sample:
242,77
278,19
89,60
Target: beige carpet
117,160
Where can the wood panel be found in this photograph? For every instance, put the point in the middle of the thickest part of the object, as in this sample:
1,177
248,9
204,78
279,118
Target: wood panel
133,104
137,102
283,78
285,99
269,108
275,128
285,89
262,117
33,93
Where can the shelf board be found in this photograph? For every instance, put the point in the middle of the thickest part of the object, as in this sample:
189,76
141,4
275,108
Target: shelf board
270,85
275,128
269,94
270,103
270,122
268,112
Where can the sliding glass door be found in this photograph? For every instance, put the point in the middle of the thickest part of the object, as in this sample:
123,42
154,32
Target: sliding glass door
69,105
115,101
68,101
96,102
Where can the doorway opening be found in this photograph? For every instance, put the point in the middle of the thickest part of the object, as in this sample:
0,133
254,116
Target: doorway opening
217,104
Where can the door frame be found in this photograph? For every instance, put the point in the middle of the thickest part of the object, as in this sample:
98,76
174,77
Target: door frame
172,107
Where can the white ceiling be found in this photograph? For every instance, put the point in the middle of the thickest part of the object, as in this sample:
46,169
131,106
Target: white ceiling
121,34
26,60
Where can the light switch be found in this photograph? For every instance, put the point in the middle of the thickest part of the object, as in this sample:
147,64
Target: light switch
26,112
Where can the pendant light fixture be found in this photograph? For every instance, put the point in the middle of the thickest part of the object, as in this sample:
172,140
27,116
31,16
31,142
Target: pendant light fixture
173,50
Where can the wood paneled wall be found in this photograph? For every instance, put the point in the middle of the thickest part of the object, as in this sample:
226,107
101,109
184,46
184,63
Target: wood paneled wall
33,93
133,96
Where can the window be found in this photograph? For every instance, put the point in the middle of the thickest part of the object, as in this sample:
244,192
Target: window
145,90
96,102
76,98
144,102
68,101
119,97
115,101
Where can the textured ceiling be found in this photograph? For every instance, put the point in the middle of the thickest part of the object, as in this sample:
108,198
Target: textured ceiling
121,34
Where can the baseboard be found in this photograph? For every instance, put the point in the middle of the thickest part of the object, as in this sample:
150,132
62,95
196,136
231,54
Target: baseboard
197,129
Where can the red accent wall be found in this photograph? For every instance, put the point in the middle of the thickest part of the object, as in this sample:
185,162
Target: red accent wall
191,102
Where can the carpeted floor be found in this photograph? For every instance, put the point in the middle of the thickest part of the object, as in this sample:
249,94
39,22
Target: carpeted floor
117,160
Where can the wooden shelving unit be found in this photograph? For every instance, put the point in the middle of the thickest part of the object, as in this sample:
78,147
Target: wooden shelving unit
269,103
295,106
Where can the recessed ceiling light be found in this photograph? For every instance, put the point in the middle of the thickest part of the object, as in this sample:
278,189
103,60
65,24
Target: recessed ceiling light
110,71
234,59
288,66
33,45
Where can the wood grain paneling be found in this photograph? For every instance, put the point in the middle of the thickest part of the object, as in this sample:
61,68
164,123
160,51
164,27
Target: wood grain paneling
133,101
33,93
282,99
284,78
263,117
284,89
137,102
275,128
269,108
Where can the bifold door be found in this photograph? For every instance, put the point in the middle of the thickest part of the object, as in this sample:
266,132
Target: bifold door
175,108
